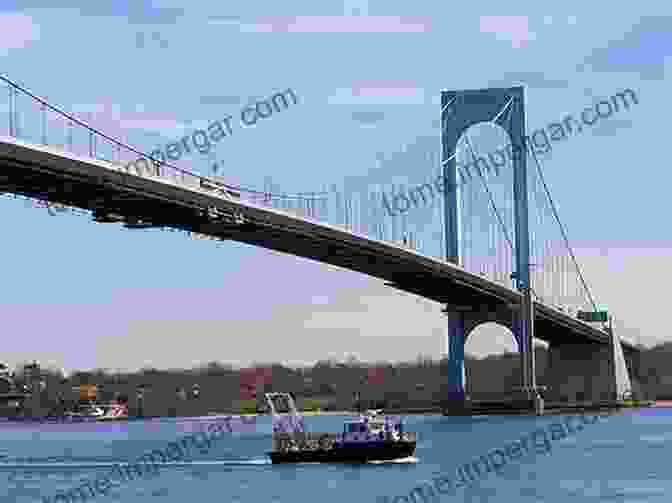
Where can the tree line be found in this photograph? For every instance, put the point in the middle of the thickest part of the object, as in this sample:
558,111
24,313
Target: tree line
327,385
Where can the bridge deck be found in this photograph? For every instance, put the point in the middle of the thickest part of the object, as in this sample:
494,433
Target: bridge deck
103,187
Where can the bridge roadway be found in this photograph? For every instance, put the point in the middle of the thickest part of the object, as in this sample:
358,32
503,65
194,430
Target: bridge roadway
104,188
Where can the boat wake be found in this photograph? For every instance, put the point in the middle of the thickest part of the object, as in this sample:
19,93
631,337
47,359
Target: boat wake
46,467
408,460
85,465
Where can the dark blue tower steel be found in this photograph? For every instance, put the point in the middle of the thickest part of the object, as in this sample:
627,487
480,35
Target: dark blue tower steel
459,111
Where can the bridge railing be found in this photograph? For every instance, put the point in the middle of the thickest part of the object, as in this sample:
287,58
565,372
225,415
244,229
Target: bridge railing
27,117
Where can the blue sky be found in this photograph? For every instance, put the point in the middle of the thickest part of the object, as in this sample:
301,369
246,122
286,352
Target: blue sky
367,75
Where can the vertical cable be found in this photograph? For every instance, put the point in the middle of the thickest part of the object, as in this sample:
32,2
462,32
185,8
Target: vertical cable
44,124
557,285
378,218
547,272
366,198
404,221
337,205
538,236
561,267
491,252
561,278
70,125
565,281
440,208
472,222
10,88
324,204
393,218
361,203
346,208
358,207
384,233
353,210
562,229
366,208
17,115
90,136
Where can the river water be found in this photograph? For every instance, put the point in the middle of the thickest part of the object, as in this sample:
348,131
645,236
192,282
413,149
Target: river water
623,458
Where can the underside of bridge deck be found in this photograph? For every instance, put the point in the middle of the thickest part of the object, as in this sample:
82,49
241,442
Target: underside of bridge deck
115,196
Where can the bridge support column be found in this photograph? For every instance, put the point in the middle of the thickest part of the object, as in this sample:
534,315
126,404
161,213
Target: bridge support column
456,397
523,331
462,320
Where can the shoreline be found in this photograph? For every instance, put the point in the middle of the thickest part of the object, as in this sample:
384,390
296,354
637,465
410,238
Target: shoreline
407,412
303,413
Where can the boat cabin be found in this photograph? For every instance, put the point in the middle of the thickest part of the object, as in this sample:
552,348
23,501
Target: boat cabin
372,427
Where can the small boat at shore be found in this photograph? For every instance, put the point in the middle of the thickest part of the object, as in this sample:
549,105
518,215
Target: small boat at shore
83,413
112,412
370,437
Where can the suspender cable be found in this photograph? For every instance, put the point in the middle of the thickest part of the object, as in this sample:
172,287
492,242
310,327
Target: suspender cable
562,230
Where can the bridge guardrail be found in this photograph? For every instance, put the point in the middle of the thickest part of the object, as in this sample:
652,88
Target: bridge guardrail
30,118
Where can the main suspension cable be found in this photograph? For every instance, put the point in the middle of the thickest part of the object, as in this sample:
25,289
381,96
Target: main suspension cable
134,150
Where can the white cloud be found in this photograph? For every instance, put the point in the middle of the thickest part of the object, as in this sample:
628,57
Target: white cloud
339,24
514,29
17,31
161,126
112,119
380,95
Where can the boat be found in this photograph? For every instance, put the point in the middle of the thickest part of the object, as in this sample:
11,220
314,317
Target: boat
114,412
94,412
86,411
370,437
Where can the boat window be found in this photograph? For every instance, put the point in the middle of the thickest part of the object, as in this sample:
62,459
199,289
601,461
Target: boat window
356,428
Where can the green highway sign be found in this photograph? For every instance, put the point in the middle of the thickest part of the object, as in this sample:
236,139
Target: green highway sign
593,316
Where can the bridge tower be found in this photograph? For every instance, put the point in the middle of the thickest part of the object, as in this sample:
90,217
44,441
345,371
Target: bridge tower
459,111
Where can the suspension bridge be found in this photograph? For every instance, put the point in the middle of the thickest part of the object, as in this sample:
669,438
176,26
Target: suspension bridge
501,254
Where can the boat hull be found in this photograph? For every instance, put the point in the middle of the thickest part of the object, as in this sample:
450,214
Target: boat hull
64,420
347,453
